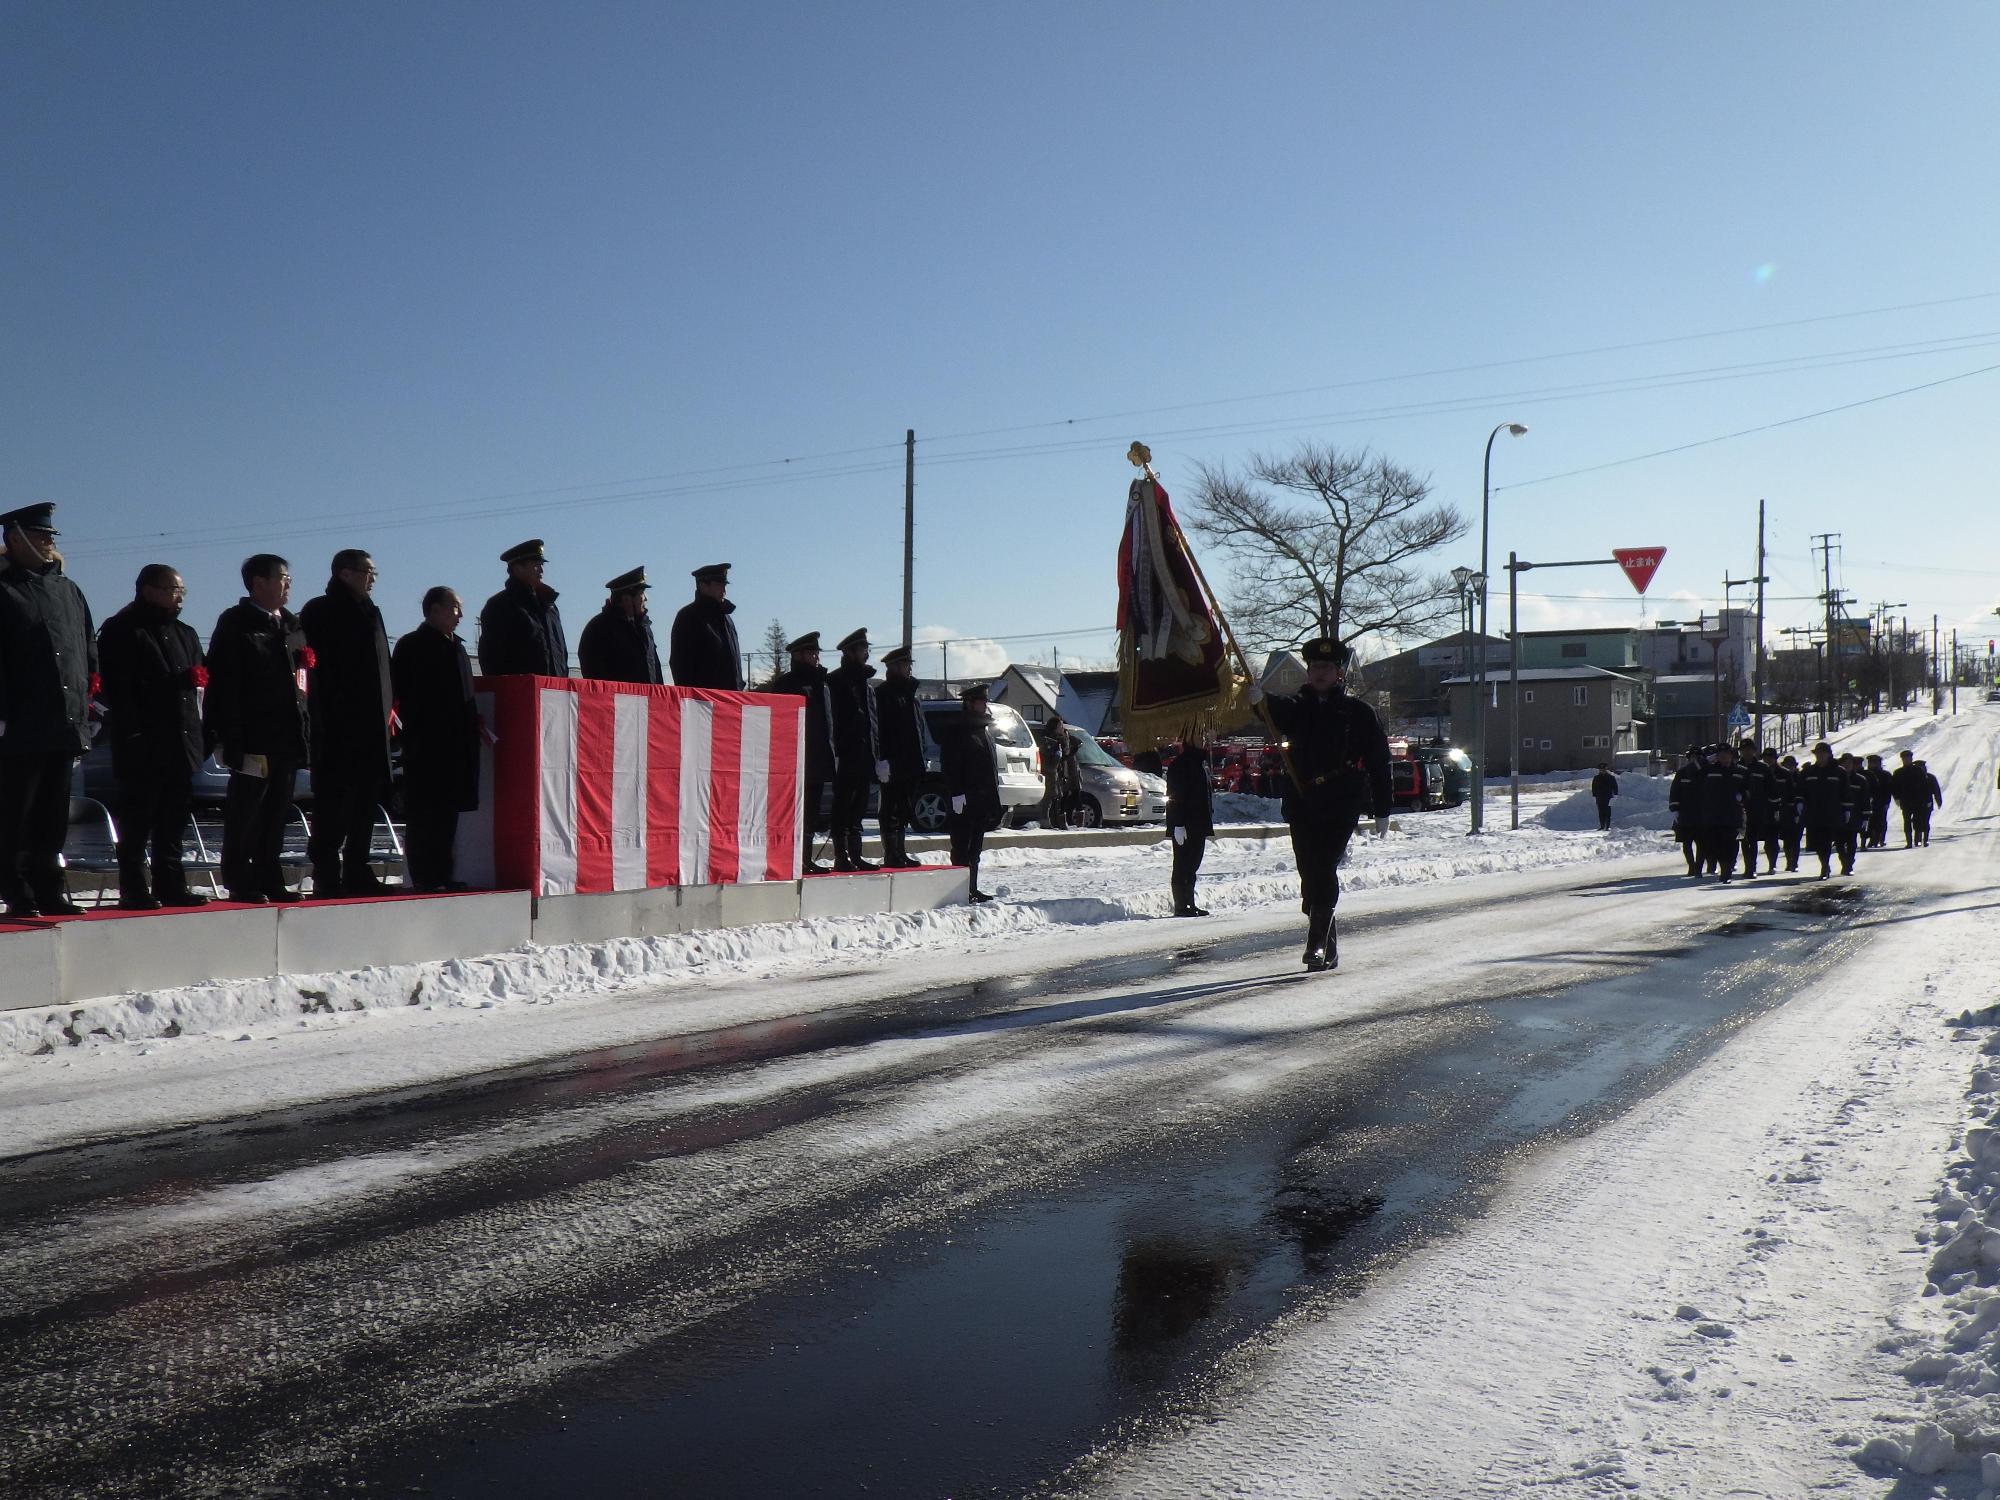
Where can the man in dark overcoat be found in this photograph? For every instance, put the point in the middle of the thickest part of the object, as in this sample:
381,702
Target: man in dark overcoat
971,784
899,722
254,718
1190,821
440,740
807,679
617,645
153,669
857,744
520,628
48,667
1339,769
1827,797
349,697
702,650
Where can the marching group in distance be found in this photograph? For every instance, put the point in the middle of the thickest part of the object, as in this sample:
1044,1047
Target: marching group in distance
1728,797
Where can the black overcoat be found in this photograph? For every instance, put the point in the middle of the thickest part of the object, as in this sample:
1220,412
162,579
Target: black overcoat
152,665
857,740
347,691
1190,797
440,718
521,633
615,649
255,704
48,654
810,683
702,649
898,721
966,758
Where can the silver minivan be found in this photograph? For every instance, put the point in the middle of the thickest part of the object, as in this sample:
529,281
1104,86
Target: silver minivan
1017,759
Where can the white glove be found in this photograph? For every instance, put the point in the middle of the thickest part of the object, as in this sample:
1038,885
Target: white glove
1180,835
1382,826
1256,692
881,770
958,804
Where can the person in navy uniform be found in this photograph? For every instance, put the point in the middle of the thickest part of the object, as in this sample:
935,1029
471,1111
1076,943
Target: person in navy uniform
1720,795
1827,796
617,645
1190,821
440,738
1339,769
1757,792
1781,819
1686,808
899,723
520,628
971,784
348,702
153,670
857,745
702,650
806,678
1881,792
48,672
254,717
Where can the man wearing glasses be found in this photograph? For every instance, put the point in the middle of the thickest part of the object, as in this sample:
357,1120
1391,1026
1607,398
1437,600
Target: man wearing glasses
348,697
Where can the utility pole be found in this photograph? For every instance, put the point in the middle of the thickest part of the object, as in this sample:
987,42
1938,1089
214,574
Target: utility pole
1823,543
909,530
1937,690
1757,686
1954,669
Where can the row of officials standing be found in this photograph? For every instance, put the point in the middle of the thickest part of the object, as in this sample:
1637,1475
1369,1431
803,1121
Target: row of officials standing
274,693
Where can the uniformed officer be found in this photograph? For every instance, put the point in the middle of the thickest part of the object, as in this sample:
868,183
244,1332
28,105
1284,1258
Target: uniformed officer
254,716
1686,808
617,645
1720,795
806,678
857,746
1855,834
1190,821
153,671
702,650
1339,768
1781,820
899,725
48,670
971,783
1827,797
440,740
348,701
520,628
1881,792
1757,791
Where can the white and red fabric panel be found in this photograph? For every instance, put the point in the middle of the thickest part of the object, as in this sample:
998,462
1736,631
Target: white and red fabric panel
605,786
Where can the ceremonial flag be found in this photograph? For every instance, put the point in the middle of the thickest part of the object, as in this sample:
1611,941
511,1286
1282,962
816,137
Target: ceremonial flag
1175,676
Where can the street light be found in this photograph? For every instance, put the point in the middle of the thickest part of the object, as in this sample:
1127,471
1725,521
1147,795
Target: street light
1479,668
1465,582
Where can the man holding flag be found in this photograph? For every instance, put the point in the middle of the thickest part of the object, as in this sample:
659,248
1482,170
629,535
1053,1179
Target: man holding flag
1176,681
1338,758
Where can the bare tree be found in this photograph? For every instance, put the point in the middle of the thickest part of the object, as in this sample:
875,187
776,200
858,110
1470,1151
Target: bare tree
774,648
1324,542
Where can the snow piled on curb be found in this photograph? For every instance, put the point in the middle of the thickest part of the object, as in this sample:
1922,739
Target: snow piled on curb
1954,1359
1046,888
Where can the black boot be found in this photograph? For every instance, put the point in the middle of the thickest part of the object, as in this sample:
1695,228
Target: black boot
1319,927
135,892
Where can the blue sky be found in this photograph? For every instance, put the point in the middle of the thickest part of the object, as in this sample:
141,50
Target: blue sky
432,278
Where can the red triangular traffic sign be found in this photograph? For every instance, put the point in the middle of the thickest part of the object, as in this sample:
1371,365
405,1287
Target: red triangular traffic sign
1639,563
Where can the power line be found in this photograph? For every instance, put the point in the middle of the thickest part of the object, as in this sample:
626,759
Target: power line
1908,390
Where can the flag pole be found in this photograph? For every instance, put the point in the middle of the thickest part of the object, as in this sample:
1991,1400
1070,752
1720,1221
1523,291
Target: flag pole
1141,455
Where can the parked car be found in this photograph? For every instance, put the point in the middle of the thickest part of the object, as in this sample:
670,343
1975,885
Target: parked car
1016,756
1450,773
92,778
1111,794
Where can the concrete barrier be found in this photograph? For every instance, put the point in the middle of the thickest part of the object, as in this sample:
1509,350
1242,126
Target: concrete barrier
112,954
30,968
854,895
926,890
321,937
764,901
600,916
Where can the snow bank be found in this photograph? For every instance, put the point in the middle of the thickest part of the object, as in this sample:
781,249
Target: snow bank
1641,803
1953,1356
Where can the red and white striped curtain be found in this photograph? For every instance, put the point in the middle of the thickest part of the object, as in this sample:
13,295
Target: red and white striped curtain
606,786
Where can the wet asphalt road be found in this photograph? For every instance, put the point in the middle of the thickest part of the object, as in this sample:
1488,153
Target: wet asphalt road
945,1244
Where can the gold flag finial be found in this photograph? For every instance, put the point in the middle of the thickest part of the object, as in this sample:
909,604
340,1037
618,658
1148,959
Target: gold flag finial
1139,455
